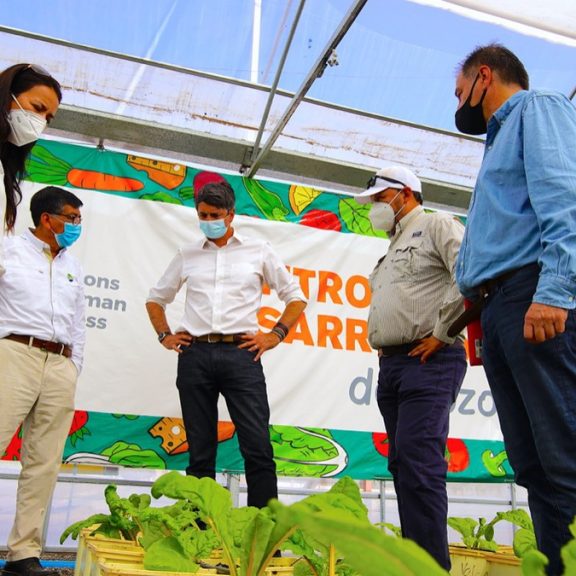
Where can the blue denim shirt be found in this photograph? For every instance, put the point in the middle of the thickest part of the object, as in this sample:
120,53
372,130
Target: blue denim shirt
523,208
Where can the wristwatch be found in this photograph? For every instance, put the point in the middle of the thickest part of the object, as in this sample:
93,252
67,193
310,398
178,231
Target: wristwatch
163,335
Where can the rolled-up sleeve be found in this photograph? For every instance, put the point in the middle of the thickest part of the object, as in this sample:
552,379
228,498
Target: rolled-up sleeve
169,284
278,278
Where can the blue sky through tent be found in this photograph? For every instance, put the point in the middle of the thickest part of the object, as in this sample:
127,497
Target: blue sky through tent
398,59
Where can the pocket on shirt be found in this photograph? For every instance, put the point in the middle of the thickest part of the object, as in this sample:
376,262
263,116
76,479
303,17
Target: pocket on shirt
405,259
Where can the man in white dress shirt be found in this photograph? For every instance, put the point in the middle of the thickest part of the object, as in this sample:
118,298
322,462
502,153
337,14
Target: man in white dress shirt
217,339
42,335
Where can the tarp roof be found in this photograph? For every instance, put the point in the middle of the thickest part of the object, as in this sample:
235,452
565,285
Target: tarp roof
191,79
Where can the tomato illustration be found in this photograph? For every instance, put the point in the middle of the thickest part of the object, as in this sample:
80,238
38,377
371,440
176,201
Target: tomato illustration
457,455
381,443
321,219
12,451
78,428
203,178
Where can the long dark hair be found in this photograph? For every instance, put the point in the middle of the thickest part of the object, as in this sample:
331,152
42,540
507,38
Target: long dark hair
14,81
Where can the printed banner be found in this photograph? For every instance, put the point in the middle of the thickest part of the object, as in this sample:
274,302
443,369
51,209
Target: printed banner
321,380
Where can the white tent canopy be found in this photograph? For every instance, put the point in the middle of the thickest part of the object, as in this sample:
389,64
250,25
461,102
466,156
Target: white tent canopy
128,101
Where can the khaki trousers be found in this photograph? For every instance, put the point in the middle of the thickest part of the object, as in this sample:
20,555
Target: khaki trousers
36,389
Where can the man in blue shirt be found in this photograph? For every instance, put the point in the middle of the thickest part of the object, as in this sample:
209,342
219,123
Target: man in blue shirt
519,255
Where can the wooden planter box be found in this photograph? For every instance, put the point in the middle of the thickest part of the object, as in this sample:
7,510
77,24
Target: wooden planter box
467,562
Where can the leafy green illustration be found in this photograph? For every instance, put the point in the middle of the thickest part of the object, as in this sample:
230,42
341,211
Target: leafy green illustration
355,216
161,197
269,203
494,462
307,452
133,455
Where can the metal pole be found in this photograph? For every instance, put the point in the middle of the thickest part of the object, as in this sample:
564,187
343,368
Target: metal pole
382,488
275,82
314,73
233,485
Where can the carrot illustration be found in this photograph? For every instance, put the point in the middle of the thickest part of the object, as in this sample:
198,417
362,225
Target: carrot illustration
46,168
93,180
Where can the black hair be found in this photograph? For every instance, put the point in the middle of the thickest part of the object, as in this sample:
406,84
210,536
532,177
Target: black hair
217,194
52,200
501,60
15,80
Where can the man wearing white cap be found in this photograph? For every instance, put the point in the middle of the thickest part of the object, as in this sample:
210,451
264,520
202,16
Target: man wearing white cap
414,300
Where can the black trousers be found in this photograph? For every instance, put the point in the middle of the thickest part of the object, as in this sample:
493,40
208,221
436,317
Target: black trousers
415,401
204,372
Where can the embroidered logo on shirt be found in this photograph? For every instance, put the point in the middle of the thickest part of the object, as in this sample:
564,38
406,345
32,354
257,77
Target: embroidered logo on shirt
70,277
417,234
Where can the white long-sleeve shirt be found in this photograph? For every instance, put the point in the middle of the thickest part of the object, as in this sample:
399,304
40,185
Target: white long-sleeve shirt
42,296
224,284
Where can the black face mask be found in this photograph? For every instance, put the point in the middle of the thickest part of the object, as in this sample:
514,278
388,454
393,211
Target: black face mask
470,119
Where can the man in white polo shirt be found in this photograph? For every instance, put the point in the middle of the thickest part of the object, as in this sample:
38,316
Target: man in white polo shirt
414,301
42,335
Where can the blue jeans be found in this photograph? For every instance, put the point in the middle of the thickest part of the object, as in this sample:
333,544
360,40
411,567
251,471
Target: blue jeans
534,389
415,400
204,372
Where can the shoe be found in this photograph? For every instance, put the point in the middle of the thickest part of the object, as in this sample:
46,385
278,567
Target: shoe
27,567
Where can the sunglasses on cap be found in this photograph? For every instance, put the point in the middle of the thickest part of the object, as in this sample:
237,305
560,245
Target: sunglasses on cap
372,182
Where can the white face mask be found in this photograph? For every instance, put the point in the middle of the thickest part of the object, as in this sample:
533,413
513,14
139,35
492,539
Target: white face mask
382,215
26,126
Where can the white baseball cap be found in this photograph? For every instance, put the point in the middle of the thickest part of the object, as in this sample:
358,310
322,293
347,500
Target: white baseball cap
391,177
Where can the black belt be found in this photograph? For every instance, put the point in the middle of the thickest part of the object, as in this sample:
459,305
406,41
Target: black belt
220,338
46,345
398,349
484,290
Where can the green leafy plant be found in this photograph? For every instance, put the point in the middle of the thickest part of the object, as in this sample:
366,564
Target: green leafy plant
331,531
479,534
534,562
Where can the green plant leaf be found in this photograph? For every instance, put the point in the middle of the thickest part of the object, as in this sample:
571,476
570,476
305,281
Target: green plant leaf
366,548
534,564
395,530
464,526
167,555
487,545
255,552
96,521
489,532
568,552
518,517
524,541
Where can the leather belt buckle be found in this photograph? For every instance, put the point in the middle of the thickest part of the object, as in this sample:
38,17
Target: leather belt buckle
213,338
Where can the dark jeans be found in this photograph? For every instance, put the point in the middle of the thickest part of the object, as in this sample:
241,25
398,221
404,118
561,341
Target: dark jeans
415,401
534,389
206,370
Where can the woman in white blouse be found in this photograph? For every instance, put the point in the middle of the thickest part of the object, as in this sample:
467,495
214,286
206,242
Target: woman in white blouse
29,98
